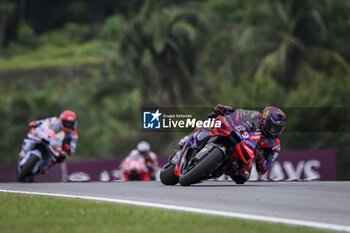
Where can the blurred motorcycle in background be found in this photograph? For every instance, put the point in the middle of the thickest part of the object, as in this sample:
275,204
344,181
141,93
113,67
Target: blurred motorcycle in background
135,169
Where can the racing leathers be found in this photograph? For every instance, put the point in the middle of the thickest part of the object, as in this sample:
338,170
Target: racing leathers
69,143
266,151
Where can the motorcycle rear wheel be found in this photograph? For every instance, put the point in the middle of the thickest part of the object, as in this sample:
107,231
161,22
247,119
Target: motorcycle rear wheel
27,168
167,175
208,164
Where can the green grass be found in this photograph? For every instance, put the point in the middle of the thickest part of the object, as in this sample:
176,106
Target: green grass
28,213
49,57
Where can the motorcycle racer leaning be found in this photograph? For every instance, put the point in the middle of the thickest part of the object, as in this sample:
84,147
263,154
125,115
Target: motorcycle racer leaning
270,123
67,122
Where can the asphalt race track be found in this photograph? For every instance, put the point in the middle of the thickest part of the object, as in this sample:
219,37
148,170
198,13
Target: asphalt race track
322,202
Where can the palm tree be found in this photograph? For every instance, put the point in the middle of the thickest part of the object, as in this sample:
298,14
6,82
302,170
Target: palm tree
162,44
291,39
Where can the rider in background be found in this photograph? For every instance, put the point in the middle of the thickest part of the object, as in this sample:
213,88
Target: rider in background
270,123
143,149
67,122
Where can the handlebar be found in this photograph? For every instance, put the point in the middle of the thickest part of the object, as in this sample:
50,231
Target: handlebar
223,112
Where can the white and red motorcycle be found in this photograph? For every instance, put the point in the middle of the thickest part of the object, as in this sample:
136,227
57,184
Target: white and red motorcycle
41,149
135,169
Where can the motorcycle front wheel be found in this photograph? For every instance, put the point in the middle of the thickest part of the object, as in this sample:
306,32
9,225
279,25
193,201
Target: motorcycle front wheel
27,168
167,175
207,164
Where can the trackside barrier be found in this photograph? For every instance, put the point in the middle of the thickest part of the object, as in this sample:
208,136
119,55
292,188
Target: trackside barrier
291,165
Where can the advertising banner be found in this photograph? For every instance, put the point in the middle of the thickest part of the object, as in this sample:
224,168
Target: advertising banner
290,165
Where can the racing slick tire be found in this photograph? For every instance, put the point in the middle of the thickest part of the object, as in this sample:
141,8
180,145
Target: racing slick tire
167,175
207,164
26,171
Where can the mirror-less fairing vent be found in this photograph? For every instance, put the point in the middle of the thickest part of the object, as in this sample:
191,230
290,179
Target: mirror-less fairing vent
245,154
234,138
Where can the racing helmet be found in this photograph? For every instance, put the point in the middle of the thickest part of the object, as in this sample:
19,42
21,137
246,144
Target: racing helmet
68,120
143,147
273,121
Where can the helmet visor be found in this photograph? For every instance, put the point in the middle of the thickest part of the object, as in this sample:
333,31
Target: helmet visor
274,129
68,124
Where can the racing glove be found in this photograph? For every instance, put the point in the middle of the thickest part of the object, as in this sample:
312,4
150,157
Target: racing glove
220,109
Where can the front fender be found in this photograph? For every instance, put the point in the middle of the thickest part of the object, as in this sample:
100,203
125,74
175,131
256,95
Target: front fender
208,148
24,160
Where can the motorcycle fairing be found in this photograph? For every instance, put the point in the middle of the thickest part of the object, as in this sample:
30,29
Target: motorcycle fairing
233,128
41,164
40,136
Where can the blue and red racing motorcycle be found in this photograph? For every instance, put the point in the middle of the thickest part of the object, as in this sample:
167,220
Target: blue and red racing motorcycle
209,150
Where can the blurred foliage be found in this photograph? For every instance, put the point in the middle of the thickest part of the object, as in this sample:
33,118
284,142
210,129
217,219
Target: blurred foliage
107,59
112,27
26,36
